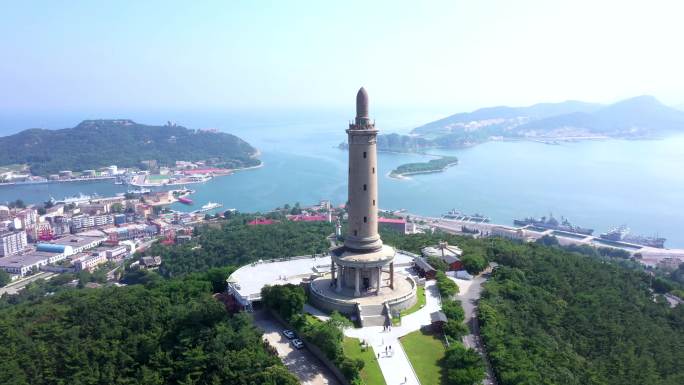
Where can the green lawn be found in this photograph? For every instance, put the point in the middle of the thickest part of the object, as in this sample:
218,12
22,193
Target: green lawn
370,374
419,303
157,178
311,319
424,351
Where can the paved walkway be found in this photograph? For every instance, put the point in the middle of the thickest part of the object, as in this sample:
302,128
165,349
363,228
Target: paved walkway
395,366
469,294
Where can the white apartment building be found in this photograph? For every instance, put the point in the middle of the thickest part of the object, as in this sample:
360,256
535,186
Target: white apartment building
85,221
12,242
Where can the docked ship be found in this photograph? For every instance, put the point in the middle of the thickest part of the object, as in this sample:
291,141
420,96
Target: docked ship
622,233
139,191
552,223
615,234
185,200
209,206
457,215
80,198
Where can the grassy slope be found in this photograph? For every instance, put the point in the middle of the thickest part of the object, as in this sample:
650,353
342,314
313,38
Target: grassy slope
419,304
370,374
424,351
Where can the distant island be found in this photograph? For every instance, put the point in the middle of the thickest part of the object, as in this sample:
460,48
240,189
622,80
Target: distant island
434,165
95,144
641,117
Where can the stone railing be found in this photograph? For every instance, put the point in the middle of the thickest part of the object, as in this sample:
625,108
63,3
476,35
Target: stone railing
327,303
406,300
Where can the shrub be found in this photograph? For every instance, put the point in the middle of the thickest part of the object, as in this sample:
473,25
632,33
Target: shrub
453,310
447,288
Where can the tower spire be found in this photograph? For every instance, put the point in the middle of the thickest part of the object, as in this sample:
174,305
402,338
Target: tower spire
362,103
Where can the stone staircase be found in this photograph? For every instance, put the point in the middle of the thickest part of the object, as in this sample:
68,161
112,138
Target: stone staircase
372,315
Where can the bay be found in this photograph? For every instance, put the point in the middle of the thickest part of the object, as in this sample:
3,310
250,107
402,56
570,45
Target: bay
596,184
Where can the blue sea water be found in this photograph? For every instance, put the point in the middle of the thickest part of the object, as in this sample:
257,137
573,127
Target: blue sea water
596,184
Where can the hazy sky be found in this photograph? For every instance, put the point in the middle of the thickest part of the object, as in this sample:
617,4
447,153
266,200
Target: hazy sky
90,55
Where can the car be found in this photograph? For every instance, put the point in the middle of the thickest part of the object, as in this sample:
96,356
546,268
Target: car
289,334
297,343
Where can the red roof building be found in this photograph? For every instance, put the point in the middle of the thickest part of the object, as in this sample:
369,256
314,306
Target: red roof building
307,218
396,224
261,221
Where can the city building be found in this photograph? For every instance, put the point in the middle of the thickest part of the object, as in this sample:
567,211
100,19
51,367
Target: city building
396,224
4,213
72,244
437,321
89,261
509,232
21,264
117,252
362,280
424,269
85,221
150,262
12,242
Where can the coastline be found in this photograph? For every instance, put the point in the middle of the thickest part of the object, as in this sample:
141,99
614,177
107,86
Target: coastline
228,171
97,178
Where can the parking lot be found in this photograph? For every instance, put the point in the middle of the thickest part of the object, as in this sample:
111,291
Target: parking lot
302,363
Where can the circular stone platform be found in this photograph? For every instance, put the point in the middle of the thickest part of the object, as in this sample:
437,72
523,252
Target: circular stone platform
324,295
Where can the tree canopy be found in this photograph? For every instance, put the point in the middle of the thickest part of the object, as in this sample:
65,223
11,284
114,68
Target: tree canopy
549,316
101,143
236,243
169,332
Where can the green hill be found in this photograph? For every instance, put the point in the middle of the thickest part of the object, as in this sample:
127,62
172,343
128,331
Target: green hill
99,143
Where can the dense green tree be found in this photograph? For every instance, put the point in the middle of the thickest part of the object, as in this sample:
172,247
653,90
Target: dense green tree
464,366
169,332
474,263
101,143
453,310
286,300
117,207
455,329
433,165
236,243
558,317
437,263
447,288
4,278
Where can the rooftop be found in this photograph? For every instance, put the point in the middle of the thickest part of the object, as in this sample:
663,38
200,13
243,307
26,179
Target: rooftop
26,259
391,220
75,240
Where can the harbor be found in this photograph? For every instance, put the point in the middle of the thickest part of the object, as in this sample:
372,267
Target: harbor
647,254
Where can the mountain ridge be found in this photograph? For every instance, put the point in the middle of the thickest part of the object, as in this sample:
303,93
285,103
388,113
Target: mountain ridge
98,143
638,117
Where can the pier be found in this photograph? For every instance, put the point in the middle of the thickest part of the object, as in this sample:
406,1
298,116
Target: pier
650,256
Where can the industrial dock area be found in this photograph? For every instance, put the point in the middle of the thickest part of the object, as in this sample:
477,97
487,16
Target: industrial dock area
649,255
